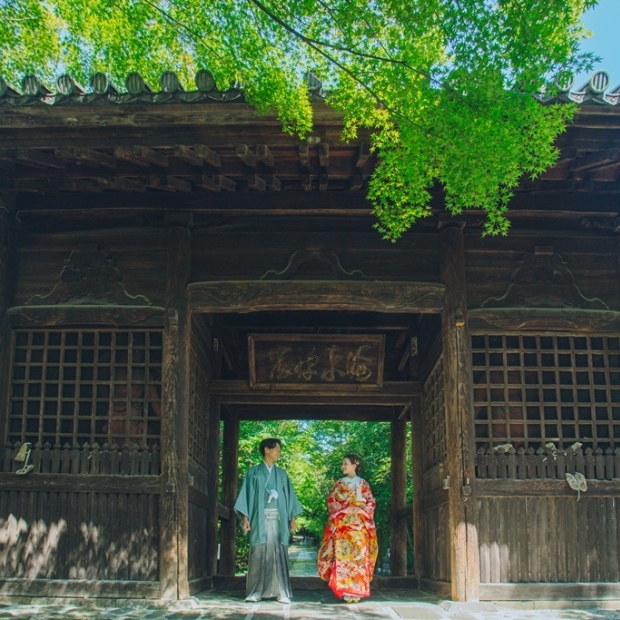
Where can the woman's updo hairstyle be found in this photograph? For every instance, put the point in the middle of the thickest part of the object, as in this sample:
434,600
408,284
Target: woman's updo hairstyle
354,460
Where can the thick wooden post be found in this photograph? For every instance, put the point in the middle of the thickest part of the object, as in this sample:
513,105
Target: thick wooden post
213,469
398,546
465,560
230,458
417,458
6,289
174,523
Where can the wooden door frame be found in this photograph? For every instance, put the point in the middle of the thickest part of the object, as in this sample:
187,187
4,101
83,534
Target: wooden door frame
289,295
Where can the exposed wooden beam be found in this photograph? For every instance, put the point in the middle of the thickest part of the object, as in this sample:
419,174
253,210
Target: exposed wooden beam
404,359
245,154
89,157
128,153
324,154
83,185
208,155
363,154
568,153
184,153
393,393
37,158
169,184
34,185
256,183
151,156
264,155
404,412
598,160
123,184
306,412
356,183
273,182
216,183
304,155
306,321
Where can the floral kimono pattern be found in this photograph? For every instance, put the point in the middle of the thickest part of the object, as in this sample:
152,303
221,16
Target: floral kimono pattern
348,552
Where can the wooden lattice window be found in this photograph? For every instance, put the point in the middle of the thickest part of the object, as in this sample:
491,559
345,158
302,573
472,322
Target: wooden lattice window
434,418
532,390
85,386
199,413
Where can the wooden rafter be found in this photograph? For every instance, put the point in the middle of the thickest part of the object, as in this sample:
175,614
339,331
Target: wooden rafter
216,183
246,155
324,154
597,160
208,155
256,183
86,156
184,153
169,183
363,155
34,157
304,155
265,155
273,182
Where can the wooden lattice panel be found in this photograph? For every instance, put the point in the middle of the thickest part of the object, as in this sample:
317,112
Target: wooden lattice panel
78,386
198,413
532,390
434,418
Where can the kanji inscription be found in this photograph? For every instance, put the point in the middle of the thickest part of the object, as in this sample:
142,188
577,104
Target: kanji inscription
322,359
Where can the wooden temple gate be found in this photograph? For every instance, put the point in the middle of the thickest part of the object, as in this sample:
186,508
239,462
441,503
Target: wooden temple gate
147,238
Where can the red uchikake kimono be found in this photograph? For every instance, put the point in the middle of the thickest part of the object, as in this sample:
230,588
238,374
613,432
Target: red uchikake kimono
349,549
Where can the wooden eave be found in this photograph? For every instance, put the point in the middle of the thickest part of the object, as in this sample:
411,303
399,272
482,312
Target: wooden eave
127,159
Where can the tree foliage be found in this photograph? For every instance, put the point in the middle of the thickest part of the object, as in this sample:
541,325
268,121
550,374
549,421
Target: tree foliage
312,453
446,86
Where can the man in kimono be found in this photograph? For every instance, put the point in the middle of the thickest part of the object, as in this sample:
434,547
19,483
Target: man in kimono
268,505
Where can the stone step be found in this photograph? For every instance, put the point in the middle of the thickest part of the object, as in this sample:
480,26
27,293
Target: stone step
314,583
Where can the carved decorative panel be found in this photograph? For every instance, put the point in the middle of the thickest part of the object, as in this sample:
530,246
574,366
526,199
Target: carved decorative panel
89,277
543,280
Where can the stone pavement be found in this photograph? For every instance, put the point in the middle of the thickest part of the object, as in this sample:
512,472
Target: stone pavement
308,605
320,604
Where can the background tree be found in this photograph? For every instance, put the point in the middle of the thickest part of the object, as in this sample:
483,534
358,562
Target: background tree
446,86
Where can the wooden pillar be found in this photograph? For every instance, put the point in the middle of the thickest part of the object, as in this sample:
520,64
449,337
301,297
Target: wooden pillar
417,458
464,552
174,522
230,458
7,282
398,546
213,470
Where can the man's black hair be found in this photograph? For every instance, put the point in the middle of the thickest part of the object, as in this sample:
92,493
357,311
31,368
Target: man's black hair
270,442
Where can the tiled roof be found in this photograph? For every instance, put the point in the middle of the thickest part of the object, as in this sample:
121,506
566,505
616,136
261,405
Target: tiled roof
102,91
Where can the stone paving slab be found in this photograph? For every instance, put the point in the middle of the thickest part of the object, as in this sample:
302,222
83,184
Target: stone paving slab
307,605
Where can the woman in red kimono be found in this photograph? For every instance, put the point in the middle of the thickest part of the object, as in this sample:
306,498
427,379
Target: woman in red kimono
349,549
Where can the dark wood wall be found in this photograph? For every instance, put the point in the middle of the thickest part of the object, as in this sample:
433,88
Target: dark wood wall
203,481
435,481
557,387
529,538
85,511
238,254
591,258
138,254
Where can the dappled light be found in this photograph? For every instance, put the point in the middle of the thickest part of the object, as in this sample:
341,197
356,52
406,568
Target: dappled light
116,543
